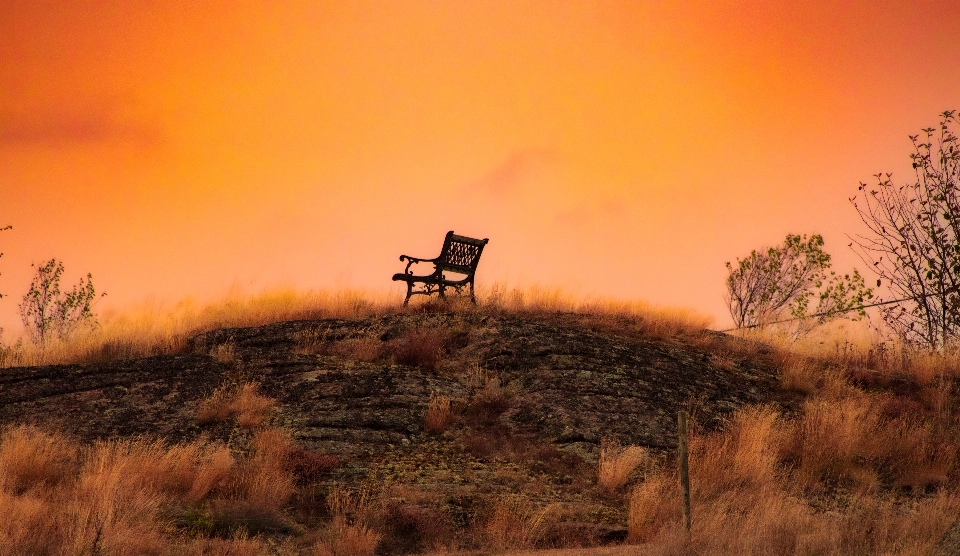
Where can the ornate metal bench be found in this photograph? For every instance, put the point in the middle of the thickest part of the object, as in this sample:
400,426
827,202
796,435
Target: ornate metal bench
460,254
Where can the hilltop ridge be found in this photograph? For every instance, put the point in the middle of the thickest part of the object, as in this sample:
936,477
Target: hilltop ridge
363,384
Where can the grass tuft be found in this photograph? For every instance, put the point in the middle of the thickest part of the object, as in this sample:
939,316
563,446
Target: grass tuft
348,533
438,413
515,523
242,402
616,463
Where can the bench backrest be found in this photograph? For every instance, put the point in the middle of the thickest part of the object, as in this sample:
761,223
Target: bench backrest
460,253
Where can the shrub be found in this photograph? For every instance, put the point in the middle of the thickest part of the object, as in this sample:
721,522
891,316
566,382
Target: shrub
47,312
413,529
309,466
768,285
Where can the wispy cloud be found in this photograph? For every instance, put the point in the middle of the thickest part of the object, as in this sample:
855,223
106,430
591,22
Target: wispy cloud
61,129
510,175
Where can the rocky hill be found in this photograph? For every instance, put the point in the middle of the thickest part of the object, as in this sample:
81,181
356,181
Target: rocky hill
532,397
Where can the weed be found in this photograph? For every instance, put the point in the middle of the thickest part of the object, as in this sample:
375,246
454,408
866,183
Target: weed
418,348
359,349
225,353
310,342
309,466
438,413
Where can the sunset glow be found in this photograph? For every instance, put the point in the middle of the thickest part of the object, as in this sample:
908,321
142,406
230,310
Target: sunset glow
620,149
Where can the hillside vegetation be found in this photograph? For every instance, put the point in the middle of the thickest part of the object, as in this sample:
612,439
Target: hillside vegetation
340,424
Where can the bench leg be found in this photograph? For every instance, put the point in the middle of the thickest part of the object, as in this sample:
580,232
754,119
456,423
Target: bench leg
473,298
406,300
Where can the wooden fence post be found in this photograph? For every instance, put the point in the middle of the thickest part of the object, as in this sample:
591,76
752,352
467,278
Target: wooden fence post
684,466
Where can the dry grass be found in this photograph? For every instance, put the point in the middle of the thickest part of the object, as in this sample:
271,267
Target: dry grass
515,522
310,342
154,329
359,349
137,496
243,402
419,348
240,544
348,533
106,498
654,504
225,353
259,487
753,485
438,413
611,314
31,459
265,479
616,463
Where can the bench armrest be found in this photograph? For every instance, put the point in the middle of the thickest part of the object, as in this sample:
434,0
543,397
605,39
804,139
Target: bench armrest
413,260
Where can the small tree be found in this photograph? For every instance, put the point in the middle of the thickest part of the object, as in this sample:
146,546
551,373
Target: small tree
770,285
3,229
47,312
913,244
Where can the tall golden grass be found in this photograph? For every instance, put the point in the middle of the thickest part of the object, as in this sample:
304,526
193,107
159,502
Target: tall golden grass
127,496
111,497
614,314
866,464
154,330
811,484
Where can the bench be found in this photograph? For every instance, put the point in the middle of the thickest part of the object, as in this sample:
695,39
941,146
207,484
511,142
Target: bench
460,255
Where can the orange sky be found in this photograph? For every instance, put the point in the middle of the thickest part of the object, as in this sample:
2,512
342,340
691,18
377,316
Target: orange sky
624,149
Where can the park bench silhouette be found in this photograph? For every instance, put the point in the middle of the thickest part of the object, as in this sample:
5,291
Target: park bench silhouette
459,255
